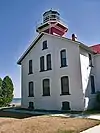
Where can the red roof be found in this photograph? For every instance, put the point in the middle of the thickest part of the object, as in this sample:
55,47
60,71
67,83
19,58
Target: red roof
96,48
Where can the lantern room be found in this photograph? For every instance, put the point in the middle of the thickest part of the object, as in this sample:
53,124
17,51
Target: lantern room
52,24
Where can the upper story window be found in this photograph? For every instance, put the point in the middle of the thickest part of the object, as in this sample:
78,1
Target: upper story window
63,58
31,89
42,64
65,85
46,87
48,57
30,67
92,84
90,60
44,45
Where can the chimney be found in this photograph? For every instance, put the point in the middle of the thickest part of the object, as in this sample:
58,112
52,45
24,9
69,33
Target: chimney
74,37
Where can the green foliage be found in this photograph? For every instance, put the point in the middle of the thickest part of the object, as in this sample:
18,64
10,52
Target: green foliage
0,82
1,100
6,91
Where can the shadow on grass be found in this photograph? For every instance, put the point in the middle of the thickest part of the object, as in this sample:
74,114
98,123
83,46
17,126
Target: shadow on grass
17,115
21,115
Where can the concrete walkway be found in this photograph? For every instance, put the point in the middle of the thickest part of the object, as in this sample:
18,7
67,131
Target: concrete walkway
95,117
95,129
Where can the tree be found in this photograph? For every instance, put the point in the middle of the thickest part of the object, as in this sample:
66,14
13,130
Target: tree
1,100
0,82
7,91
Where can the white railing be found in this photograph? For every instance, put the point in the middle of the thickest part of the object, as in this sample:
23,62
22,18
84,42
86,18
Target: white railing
51,20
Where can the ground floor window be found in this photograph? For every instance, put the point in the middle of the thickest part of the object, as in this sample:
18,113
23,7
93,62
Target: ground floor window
65,105
46,87
92,84
31,89
31,105
64,85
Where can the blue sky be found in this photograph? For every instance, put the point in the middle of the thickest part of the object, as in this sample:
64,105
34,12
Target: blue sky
18,20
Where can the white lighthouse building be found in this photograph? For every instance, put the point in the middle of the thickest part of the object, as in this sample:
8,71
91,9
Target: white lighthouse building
58,73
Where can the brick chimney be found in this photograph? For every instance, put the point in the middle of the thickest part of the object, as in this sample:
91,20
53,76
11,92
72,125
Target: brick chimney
74,37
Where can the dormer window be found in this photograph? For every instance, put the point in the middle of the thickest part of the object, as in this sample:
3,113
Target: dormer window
44,45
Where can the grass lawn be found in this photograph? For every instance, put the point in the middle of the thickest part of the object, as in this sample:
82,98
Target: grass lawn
92,112
25,123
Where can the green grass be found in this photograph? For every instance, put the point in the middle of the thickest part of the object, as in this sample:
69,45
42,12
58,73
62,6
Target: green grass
92,112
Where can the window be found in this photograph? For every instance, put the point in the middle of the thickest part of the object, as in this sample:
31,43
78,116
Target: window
63,58
46,87
92,84
31,89
65,105
31,105
45,45
42,63
64,85
90,60
49,62
30,67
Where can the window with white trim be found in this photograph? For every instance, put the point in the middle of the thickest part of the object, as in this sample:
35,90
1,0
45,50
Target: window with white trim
46,87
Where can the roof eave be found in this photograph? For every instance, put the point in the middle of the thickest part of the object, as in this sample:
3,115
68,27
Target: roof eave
86,48
29,48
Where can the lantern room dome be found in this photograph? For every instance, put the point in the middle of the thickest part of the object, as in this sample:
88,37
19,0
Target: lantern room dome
51,15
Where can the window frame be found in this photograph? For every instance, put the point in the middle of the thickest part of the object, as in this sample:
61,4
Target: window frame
31,92
48,62
44,46
43,87
93,90
30,63
42,64
68,105
63,92
90,60
62,60
31,105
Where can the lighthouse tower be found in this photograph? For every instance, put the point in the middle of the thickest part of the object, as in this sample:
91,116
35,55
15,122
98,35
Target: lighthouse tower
52,24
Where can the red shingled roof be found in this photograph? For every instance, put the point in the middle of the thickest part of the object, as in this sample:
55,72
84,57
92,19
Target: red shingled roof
96,48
